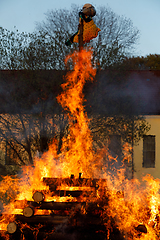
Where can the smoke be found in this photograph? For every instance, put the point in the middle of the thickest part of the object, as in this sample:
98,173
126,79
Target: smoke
113,93
30,92
129,93
144,89
28,104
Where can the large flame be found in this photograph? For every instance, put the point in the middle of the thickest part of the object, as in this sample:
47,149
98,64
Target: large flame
132,207
77,153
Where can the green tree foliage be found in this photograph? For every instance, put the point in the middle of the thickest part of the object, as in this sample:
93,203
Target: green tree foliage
150,62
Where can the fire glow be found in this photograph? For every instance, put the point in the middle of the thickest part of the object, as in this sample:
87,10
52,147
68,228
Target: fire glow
126,205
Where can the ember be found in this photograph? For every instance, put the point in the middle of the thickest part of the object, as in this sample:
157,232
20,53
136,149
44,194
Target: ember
72,194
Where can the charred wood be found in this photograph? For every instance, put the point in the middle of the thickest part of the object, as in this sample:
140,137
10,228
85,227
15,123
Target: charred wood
86,220
79,233
73,193
141,228
27,233
57,205
81,182
60,236
91,206
55,220
2,235
77,218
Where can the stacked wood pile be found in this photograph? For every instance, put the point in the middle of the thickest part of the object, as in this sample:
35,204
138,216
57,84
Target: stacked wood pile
73,219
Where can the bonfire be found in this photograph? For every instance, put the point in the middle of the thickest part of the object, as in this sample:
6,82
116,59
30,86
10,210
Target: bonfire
71,194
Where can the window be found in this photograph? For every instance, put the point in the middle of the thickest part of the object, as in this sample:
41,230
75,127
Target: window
114,146
148,151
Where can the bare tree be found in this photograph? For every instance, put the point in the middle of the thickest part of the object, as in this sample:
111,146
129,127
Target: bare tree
116,40
12,46
23,135
46,49
29,113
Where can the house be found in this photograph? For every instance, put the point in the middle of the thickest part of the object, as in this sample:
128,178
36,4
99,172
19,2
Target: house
147,152
114,93
137,93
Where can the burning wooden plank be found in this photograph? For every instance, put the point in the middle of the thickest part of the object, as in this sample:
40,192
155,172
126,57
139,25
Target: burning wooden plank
73,182
64,193
51,205
44,219
56,205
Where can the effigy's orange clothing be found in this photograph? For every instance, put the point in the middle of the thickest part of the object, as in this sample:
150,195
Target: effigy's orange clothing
90,31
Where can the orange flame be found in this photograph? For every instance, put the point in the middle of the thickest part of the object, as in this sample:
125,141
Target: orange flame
126,203
77,154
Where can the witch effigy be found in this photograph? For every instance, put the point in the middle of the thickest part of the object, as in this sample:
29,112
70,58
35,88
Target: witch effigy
90,30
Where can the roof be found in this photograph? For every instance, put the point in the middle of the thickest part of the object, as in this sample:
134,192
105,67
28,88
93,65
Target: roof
126,92
112,93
